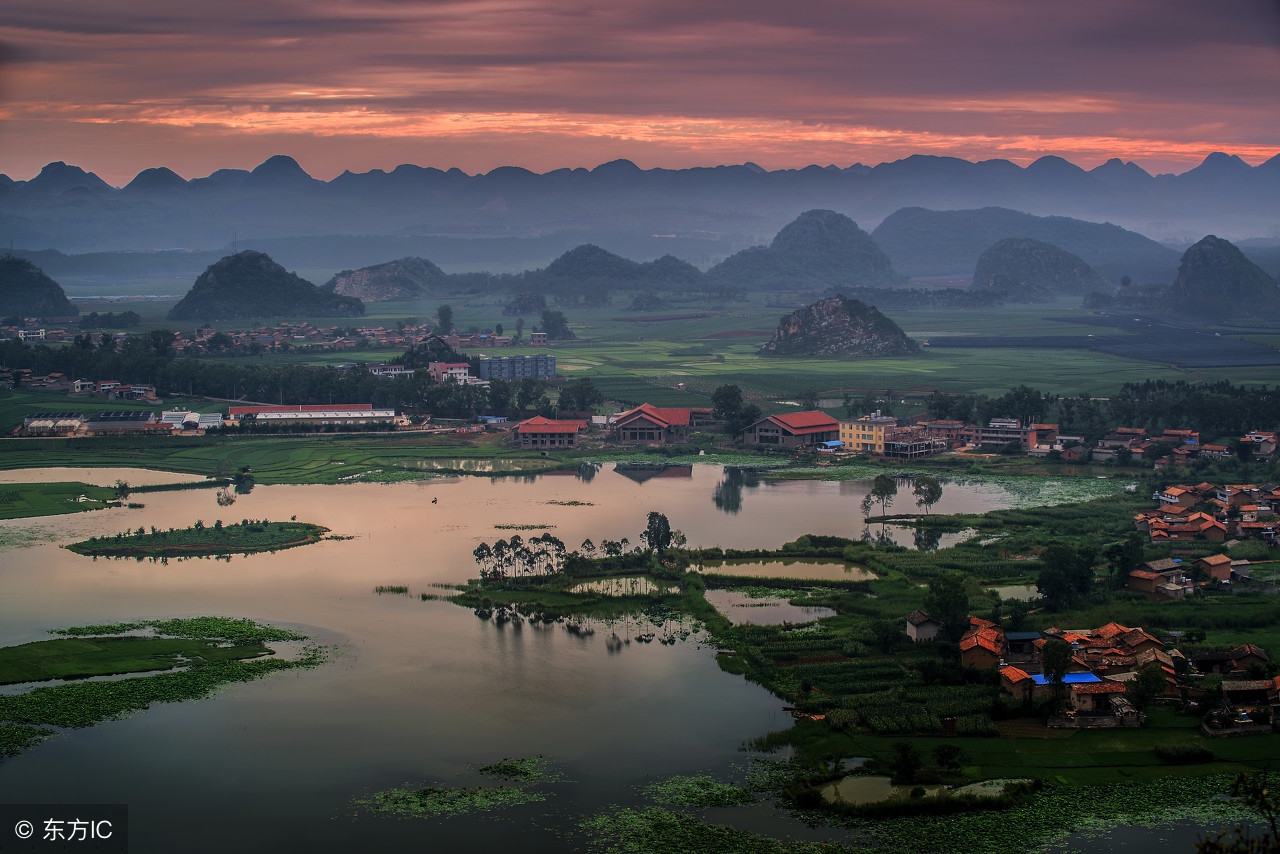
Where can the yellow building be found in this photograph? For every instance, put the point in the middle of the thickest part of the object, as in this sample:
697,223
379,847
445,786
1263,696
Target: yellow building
866,435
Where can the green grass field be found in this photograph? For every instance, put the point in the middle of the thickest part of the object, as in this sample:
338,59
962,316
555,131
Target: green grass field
634,356
20,500
312,459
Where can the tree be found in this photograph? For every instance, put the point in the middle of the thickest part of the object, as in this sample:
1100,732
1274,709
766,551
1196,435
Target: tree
500,394
906,762
809,398
658,534
1124,557
948,604
1146,686
555,325
887,634
580,395
161,341
928,491
445,314
497,329
950,757
1057,657
527,392
519,328
883,489
1066,574
726,401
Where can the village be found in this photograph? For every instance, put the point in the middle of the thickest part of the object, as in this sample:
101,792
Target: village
1102,677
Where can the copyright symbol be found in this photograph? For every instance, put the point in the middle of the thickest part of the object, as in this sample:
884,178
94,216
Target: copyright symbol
24,829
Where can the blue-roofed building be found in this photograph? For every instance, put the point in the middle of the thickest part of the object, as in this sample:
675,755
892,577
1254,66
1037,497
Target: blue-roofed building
1067,678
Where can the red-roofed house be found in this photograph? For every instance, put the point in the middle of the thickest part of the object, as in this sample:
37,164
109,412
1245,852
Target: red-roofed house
649,424
539,432
1217,567
793,430
1095,696
982,648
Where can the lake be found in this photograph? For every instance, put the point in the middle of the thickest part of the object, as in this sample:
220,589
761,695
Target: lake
416,692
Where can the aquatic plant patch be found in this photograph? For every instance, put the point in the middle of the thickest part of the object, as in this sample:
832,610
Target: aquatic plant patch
216,651
234,630
530,769
521,776
697,791
441,802
77,658
656,830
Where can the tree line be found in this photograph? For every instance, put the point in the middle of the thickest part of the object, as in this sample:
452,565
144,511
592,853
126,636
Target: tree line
1215,409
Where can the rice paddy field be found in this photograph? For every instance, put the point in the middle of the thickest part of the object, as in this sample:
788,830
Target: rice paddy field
677,356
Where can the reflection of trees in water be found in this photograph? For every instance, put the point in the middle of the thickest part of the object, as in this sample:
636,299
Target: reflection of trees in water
587,471
656,623
880,538
927,539
728,494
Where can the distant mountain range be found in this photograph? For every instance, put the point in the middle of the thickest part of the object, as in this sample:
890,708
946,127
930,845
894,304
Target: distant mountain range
702,214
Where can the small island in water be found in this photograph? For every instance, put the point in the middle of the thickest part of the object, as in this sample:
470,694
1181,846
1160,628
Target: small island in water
244,537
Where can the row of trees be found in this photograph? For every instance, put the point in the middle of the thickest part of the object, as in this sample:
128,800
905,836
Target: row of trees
545,554
884,488
1215,409
149,359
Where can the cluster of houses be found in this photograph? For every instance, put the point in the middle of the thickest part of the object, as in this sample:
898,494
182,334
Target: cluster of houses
284,337
1103,661
882,435
60,382
1163,450
1185,444
185,422
36,334
1213,512
655,425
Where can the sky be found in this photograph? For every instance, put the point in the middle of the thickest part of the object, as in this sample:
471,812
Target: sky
544,84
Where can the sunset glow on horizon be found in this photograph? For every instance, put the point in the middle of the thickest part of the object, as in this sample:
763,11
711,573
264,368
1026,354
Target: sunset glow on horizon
478,84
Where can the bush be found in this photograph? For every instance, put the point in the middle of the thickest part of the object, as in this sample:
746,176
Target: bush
1184,754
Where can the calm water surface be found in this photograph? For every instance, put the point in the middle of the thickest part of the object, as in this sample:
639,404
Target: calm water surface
417,691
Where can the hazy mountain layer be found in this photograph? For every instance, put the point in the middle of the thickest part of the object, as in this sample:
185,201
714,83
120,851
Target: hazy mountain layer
819,249
72,210
948,243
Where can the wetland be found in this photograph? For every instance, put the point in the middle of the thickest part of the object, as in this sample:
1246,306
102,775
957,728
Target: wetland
418,694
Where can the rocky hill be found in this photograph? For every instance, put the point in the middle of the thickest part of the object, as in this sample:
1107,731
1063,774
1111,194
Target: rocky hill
251,285
1020,269
819,249
838,326
25,291
1215,281
405,278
